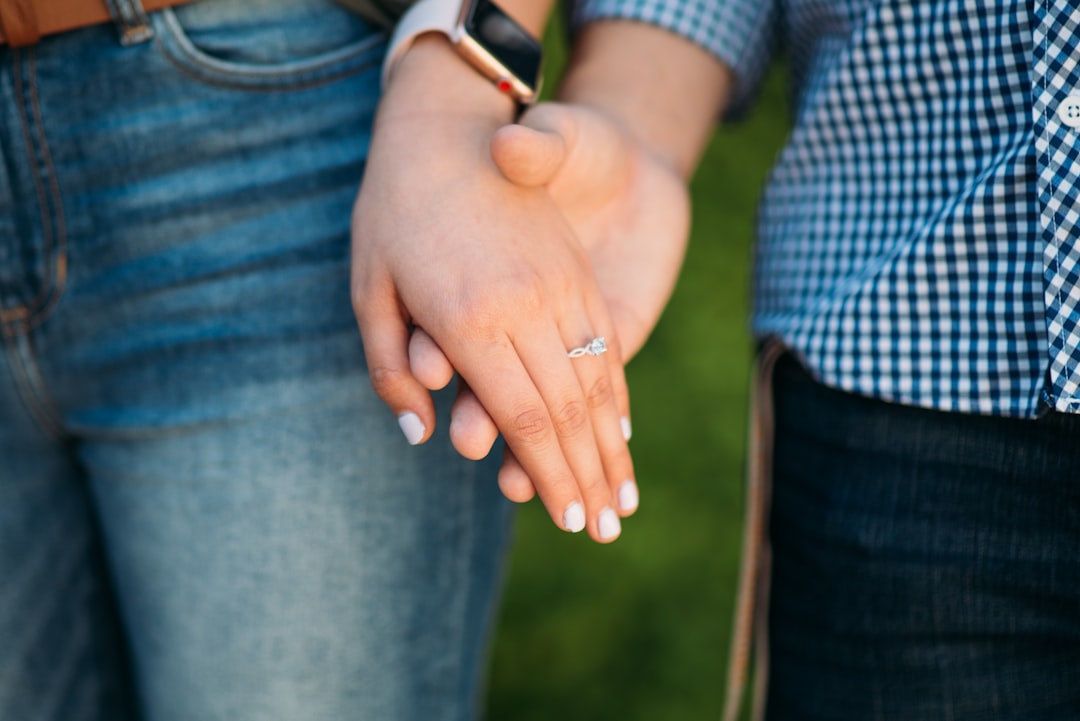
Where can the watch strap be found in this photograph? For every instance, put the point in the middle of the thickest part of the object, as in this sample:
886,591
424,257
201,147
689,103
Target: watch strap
425,16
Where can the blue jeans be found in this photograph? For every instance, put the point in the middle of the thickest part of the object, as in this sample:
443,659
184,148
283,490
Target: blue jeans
926,565
205,512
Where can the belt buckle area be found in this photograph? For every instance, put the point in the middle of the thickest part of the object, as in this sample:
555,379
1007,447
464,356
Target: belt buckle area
18,23
25,22
133,24
135,34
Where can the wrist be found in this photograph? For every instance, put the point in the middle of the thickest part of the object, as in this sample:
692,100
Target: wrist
669,108
483,34
432,78
436,117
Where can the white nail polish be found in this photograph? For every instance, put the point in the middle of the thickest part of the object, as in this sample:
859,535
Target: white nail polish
412,427
574,517
609,524
625,423
628,496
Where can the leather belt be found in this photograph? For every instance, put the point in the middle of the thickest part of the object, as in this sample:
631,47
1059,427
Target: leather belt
24,22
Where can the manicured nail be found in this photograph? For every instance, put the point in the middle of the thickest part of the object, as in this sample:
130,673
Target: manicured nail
574,518
625,423
628,496
609,524
412,427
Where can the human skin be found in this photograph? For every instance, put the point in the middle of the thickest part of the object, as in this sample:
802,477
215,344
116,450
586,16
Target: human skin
492,271
615,155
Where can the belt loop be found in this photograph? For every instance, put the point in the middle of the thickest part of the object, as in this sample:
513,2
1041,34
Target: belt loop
131,21
19,22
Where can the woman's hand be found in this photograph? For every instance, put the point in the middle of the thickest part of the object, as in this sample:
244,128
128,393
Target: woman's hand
493,273
629,208
642,104
630,212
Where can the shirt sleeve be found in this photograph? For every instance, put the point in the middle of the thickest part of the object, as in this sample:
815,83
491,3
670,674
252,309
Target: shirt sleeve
740,33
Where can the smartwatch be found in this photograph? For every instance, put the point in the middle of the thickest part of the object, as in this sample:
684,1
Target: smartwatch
483,34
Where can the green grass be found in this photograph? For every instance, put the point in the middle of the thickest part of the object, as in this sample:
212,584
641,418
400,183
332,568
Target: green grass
639,630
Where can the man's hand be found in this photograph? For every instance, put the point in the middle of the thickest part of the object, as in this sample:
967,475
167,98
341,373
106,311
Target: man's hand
642,104
630,212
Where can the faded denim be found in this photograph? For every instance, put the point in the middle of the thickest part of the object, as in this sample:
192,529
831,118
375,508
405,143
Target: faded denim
205,511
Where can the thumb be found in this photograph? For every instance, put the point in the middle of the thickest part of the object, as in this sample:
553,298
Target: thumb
580,154
532,152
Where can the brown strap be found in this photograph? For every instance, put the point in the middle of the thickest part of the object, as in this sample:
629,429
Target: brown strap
19,22
750,629
24,22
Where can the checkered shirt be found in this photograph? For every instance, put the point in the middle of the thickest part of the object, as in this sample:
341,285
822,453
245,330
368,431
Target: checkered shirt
917,238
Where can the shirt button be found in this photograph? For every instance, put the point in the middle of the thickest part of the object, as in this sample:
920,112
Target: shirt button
1069,111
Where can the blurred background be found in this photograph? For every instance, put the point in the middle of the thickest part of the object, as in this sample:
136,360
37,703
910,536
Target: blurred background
639,630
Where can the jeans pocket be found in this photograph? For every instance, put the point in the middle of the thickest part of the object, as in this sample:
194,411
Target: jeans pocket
272,45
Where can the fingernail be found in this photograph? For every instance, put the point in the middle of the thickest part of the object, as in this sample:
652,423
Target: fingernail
574,518
625,423
609,524
628,496
412,427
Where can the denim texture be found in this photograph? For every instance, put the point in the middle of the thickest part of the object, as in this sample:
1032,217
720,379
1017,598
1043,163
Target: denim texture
925,563
205,511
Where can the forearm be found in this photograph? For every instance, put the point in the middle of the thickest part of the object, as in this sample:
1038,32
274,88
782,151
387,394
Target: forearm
664,90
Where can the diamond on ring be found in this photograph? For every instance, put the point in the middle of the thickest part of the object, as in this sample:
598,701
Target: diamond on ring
594,347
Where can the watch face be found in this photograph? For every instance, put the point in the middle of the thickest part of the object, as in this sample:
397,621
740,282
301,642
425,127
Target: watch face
505,40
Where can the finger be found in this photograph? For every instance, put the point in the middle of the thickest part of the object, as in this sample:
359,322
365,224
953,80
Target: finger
609,403
427,361
514,483
520,409
528,156
597,380
472,432
564,384
623,478
384,332
614,449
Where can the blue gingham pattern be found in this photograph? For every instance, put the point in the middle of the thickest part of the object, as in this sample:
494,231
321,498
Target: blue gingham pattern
1056,52
918,237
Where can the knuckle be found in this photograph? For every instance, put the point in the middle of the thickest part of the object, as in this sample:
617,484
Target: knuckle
475,317
596,488
599,393
530,293
570,419
513,294
388,382
531,425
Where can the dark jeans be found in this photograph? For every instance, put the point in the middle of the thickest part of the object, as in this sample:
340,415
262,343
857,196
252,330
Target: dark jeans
926,564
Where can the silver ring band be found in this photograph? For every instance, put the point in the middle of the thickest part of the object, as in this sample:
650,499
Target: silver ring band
596,346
